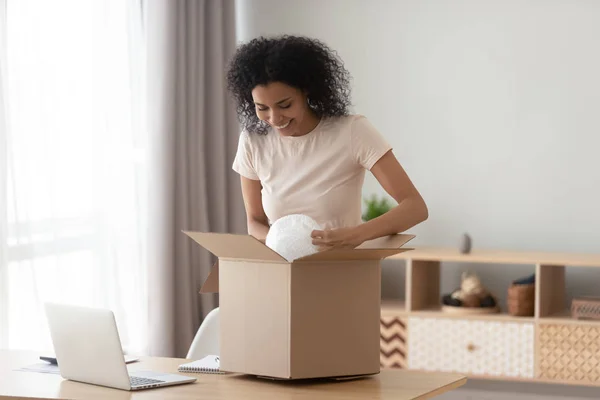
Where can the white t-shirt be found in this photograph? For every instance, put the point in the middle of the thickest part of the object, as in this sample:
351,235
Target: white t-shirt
320,174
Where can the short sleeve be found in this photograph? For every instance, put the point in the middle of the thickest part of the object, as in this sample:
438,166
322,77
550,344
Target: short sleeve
243,162
368,145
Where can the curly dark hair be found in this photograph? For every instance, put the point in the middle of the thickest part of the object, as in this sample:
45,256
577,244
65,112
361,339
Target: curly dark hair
304,63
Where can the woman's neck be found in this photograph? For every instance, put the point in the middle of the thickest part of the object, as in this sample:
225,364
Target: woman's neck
309,124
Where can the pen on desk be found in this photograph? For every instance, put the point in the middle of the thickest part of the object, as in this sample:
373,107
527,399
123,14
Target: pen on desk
51,360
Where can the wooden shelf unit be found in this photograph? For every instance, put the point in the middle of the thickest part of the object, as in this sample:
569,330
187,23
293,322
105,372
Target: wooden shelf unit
549,346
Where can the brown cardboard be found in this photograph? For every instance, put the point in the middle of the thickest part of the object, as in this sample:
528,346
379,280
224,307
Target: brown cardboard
350,255
337,324
229,246
254,317
211,284
315,317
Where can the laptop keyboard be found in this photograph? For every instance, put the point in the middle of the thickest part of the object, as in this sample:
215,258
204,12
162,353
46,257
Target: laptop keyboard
139,381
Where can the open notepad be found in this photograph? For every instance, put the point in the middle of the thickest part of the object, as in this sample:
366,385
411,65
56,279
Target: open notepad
207,365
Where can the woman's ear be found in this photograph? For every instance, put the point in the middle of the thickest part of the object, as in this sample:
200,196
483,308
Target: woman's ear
308,102
306,95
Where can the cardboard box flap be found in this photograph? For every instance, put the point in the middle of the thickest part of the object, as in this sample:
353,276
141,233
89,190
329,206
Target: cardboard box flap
375,249
353,254
226,245
211,284
387,242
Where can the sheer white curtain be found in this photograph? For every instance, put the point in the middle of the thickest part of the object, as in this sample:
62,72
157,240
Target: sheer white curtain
73,172
3,180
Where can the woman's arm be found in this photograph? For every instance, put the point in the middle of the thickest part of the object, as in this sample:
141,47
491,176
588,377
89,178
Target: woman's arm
258,223
410,211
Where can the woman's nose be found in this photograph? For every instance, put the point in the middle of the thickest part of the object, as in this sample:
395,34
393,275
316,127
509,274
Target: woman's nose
275,117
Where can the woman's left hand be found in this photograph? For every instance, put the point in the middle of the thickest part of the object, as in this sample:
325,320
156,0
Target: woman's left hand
341,238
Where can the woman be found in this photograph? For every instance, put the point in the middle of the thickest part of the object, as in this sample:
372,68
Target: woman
302,152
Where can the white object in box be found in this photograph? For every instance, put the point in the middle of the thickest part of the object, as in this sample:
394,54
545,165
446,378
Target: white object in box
290,236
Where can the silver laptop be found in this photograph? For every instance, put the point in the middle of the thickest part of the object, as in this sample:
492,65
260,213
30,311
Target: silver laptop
88,349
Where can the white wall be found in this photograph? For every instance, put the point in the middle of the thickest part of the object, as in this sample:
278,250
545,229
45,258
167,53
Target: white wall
493,108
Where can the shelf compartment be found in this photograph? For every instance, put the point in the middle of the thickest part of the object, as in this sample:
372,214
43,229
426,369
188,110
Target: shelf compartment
569,353
481,347
422,284
550,287
553,304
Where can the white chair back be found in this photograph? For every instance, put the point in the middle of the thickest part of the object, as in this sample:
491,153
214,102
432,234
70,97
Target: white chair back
206,341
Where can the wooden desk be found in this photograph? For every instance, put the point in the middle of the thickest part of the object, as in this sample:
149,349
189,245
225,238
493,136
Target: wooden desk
390,384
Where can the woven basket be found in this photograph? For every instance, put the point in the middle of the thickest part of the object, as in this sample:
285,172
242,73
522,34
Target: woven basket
586,308
520,300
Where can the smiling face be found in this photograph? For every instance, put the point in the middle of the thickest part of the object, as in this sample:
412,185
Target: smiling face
285,108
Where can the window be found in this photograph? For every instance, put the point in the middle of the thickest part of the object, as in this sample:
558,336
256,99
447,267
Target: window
75,170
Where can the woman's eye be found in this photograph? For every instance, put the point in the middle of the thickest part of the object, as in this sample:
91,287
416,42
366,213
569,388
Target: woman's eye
285,106
262,109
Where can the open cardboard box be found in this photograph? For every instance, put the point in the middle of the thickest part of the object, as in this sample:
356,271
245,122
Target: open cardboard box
315,317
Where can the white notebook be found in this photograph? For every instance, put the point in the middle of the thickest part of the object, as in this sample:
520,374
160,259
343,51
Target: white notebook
207,365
